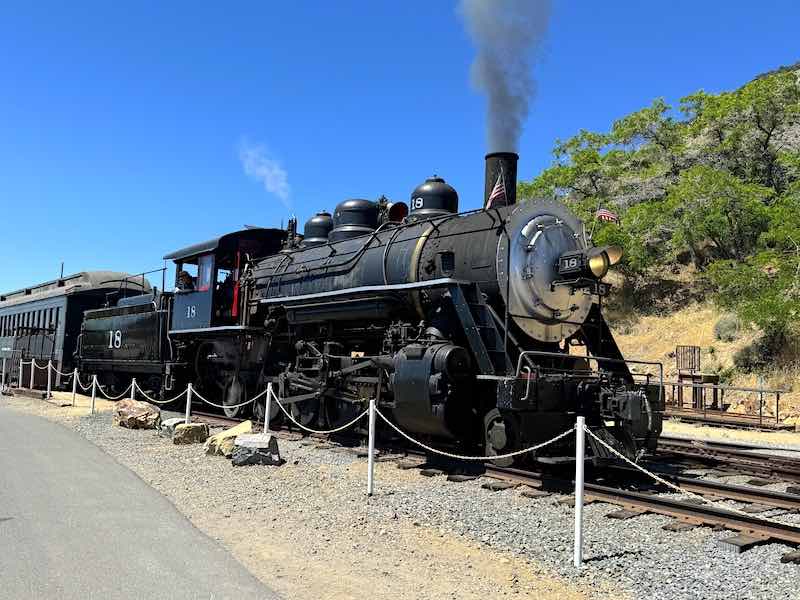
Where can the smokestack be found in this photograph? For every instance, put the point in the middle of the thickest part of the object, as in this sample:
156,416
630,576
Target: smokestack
502,167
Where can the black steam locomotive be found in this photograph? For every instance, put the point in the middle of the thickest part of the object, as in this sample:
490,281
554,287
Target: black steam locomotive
480,329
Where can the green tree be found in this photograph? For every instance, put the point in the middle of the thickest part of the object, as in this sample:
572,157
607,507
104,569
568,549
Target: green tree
708,204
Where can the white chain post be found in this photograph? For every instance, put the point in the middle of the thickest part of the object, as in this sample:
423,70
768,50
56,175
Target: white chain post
3,379
267,407
49,379
188,404
94,392
580,449
33,372
19,379
74,384
371,448
133,388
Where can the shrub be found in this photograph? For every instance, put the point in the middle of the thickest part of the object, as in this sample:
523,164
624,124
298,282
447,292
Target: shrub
760,353
726,329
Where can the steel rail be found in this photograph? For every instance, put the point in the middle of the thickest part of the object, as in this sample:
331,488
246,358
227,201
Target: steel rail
729,491
662,505
755,463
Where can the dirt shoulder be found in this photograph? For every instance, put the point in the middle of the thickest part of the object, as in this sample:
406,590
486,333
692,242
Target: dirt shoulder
308,530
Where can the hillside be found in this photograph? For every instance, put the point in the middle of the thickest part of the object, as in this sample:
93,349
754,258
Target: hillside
707,194
654,337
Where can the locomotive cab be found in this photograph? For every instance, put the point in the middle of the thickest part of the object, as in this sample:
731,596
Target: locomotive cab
207,277
217,349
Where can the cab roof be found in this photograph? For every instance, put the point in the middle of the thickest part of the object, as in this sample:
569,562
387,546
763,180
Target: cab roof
255,237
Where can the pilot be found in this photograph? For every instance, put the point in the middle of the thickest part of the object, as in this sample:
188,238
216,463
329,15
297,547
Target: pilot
185,281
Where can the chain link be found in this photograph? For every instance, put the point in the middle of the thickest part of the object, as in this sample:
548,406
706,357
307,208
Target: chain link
292,419
674,486
457,456
114,398
154,401
229,406
70,374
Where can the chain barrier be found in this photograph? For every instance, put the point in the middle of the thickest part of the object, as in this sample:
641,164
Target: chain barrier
483,458
44,368
338,429
228,406
674,486
154,401
113,398
85,388
70,374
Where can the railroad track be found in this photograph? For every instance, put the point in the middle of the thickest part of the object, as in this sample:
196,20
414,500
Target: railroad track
745,460
686,511
640,502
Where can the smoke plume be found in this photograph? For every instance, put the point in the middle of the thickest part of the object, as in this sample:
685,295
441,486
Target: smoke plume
259,165
507,34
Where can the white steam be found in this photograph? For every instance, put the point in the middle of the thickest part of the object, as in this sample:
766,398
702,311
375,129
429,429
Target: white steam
262,167
507,34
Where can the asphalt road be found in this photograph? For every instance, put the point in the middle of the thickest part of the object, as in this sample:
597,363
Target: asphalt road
76,524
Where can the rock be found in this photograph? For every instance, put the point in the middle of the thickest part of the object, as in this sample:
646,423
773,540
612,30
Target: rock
135,414
193,433
168,427
256,449
461,477
222,443
431,472
496,485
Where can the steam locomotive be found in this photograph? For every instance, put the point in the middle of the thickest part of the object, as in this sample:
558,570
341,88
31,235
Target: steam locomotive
481,330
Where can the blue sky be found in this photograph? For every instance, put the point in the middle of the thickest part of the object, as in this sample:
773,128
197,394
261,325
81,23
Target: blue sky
123,126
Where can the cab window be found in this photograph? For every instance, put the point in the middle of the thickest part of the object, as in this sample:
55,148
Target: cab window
205,272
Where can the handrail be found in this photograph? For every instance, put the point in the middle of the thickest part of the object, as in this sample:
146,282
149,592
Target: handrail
661,395
725,387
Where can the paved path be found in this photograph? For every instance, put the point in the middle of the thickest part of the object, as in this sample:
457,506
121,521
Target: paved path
74,523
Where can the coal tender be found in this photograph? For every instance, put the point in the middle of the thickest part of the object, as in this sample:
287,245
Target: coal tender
480,330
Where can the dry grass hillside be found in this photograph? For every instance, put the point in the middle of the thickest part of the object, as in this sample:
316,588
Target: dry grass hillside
654,337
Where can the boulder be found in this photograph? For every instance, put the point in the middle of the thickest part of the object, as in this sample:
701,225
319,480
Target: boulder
168,427
222,443
135,414
256,449
193,433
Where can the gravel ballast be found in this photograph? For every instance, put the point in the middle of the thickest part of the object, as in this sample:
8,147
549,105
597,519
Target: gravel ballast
307,528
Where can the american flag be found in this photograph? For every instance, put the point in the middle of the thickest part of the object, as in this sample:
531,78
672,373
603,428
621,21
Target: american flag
498,195
603,214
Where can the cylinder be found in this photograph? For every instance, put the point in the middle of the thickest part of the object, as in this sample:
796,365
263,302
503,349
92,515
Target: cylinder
500,181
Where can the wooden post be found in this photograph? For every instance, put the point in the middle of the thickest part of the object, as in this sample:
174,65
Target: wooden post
74,384
580,440
267,407
371,447
188,404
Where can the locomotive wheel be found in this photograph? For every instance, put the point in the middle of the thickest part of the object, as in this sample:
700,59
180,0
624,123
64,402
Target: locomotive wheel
235,393
497,437
305,412
341,412
258,411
